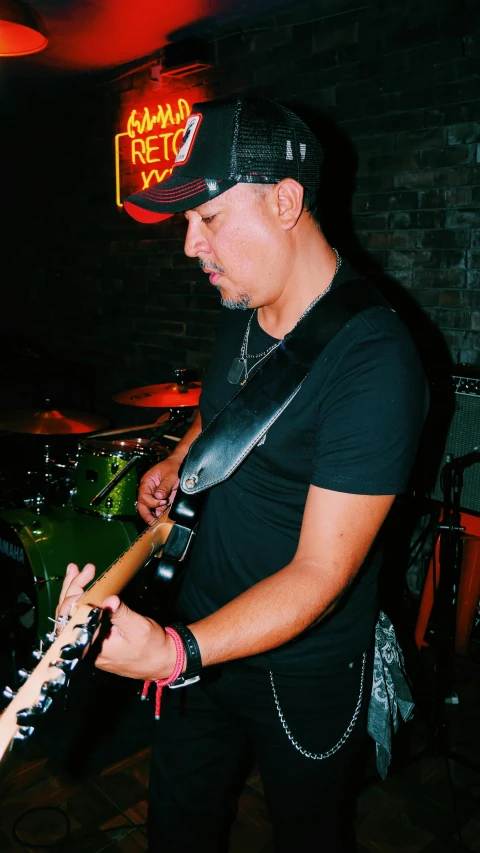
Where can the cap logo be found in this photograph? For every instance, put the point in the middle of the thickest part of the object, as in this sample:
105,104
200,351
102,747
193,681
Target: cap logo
289,153
212,185
191,128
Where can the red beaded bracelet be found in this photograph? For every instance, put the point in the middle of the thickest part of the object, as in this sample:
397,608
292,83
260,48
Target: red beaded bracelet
164,682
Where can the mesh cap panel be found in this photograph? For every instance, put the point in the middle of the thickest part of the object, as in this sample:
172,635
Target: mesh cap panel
272,143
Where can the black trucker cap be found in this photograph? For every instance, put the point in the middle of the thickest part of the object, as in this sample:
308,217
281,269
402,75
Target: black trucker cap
239,140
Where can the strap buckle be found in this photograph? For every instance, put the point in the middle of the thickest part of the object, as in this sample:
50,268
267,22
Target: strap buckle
181,681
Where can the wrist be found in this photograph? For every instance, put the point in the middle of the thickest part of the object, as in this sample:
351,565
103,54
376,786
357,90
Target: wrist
171,656
193,660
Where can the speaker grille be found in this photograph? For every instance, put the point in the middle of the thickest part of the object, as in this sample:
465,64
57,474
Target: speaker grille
463,437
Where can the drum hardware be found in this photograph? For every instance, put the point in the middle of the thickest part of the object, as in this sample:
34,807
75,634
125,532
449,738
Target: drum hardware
96,461
41,583
37,504
124,430
174,419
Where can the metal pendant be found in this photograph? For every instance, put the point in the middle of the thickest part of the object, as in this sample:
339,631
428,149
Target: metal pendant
236,371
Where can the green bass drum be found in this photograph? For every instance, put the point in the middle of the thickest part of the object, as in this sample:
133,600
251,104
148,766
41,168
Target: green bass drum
35,550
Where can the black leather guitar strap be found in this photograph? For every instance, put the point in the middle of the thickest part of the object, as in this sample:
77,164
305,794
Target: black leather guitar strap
240,425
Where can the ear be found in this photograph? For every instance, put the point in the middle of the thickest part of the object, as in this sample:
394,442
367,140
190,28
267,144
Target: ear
289,195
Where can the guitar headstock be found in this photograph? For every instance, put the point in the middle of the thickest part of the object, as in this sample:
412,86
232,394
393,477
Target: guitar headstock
64,650
49,677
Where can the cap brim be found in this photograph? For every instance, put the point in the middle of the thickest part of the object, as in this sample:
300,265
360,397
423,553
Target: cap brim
178,193
141,214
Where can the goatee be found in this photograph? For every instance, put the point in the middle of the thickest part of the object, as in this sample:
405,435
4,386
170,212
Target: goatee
241,304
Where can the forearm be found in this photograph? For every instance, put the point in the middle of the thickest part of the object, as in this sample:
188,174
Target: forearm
269,614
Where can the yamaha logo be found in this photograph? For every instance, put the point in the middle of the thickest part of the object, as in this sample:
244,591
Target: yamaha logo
15,552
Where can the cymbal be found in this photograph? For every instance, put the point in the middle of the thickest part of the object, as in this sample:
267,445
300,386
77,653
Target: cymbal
167,396
51,422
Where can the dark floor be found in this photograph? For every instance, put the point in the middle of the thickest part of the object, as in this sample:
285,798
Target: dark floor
85,779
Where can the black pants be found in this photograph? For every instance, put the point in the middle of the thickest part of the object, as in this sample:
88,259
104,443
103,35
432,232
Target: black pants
202,738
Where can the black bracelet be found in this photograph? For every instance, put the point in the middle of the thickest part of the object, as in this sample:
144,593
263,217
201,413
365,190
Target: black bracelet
192,656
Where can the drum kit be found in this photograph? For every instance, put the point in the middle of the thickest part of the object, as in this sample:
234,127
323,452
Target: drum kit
81,510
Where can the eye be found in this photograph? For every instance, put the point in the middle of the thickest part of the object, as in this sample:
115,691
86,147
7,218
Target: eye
208,219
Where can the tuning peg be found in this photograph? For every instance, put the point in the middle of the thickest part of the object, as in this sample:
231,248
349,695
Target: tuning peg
8,693
71,652
65,665
23,674
79,646
38,653
94,618
28,716
55,684
23,733
59,623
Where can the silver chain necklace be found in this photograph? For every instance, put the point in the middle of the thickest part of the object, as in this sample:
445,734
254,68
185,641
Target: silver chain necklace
239,366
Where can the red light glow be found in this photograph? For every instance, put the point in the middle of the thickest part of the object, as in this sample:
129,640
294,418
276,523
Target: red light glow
107,33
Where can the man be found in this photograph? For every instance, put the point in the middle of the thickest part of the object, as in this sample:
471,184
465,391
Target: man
280,590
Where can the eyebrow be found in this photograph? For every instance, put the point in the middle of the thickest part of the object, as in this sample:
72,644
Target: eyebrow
197,209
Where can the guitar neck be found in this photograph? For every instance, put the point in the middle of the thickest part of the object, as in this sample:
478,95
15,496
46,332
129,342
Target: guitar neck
111,582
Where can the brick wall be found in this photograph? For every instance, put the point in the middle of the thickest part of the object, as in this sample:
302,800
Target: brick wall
394,90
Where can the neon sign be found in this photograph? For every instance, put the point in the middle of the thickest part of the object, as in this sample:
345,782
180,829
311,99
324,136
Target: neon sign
146,150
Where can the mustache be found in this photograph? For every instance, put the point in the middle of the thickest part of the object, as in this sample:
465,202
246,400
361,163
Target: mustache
209,265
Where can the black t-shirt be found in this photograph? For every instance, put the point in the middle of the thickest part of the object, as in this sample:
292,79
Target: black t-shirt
353,427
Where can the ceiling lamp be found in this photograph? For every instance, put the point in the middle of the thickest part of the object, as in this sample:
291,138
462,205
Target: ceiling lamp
22,30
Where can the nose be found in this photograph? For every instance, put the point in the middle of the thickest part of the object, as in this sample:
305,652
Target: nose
196,243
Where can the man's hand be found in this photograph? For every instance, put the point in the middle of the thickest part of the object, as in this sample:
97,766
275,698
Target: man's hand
73,587
159,485
158,488
135,647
